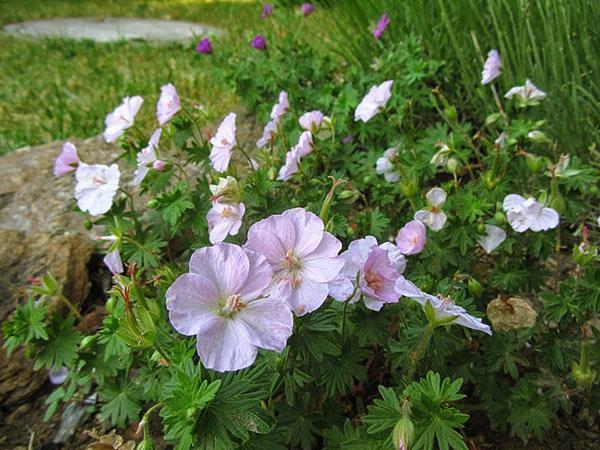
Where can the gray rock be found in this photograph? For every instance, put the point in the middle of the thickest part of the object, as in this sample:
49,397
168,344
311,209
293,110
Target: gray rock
111,29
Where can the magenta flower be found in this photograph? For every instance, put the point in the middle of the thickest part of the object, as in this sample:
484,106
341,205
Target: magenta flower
121,118
381,26
311,121
67,161
204,46
221,301
306,9
112,260
266,11
224,219
223,142
491,68
375,268
259,42
303,256
168,104
411,238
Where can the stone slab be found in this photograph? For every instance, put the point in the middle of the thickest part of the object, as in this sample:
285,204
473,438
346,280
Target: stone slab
111,29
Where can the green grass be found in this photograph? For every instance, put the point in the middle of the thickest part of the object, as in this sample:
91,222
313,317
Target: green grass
555,43
57,88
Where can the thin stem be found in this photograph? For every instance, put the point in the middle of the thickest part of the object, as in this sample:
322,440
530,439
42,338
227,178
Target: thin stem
129,197
160,350
344,322
248,158
416,356
70,306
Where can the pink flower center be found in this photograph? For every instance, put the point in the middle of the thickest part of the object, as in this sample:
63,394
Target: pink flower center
446,301
291,262
224,141
228,213
374,280
233,304
98,180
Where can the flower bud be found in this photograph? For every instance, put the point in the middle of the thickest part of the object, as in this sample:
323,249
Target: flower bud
87,224
535,163
453,165
152,203
500,218
488,180
537,137
584,376
474,287
158,165
110,305
87,341
450,113
272,174
403,434
492,119
226,191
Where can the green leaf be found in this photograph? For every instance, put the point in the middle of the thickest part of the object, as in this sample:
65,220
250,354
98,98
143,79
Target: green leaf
61,347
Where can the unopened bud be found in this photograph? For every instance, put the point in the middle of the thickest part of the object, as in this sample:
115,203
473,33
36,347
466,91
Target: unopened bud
534,162
158,165
87,224
450,113
453,165
152,203
537,137
492,119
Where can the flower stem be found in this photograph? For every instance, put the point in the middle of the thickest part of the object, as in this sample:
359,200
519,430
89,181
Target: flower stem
344,323
70,306
248,158
416,356
162,353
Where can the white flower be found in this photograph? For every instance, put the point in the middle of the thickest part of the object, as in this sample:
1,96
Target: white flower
433,216
441,156
223,142
96,187
375,100
491,68
311,121
269,133
146,157
121,118
168,104
385,165
527,214
492,239
292,158
280,108
224,219
277,112
444,307
305,144
527,93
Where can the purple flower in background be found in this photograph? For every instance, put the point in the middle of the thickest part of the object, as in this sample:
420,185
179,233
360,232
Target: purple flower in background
204,46
168,104
221,301
58,375
306,9
266,11
303,256
381,26
259,42
112,260
347,139
67,161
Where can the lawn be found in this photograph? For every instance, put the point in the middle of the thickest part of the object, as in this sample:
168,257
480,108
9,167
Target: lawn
57,89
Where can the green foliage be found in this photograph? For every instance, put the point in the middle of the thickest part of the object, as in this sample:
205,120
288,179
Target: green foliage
26,324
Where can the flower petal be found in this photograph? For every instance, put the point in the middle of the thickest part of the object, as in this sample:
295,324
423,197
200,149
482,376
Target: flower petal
268,323
224,345
226,265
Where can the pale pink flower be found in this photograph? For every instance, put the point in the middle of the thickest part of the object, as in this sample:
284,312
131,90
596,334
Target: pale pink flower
305,144
491,68
370,271
411,238
159,165
268,135
528,93
527,214
222,302
67,161
112,260
385,165
168,104
281,107
223,220
277,112
374,101
311,121
492,239
121,118
303,256
96,187
146,157
223,142
292,159
58,375
433,216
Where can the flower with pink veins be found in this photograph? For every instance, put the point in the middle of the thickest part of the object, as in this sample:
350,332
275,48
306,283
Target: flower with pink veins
374,101
223,142
529,93
371,272
168,104
433,216
491,67
67,161
411,238
303,256
224,219
222,301
121,118
96,186
146,157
